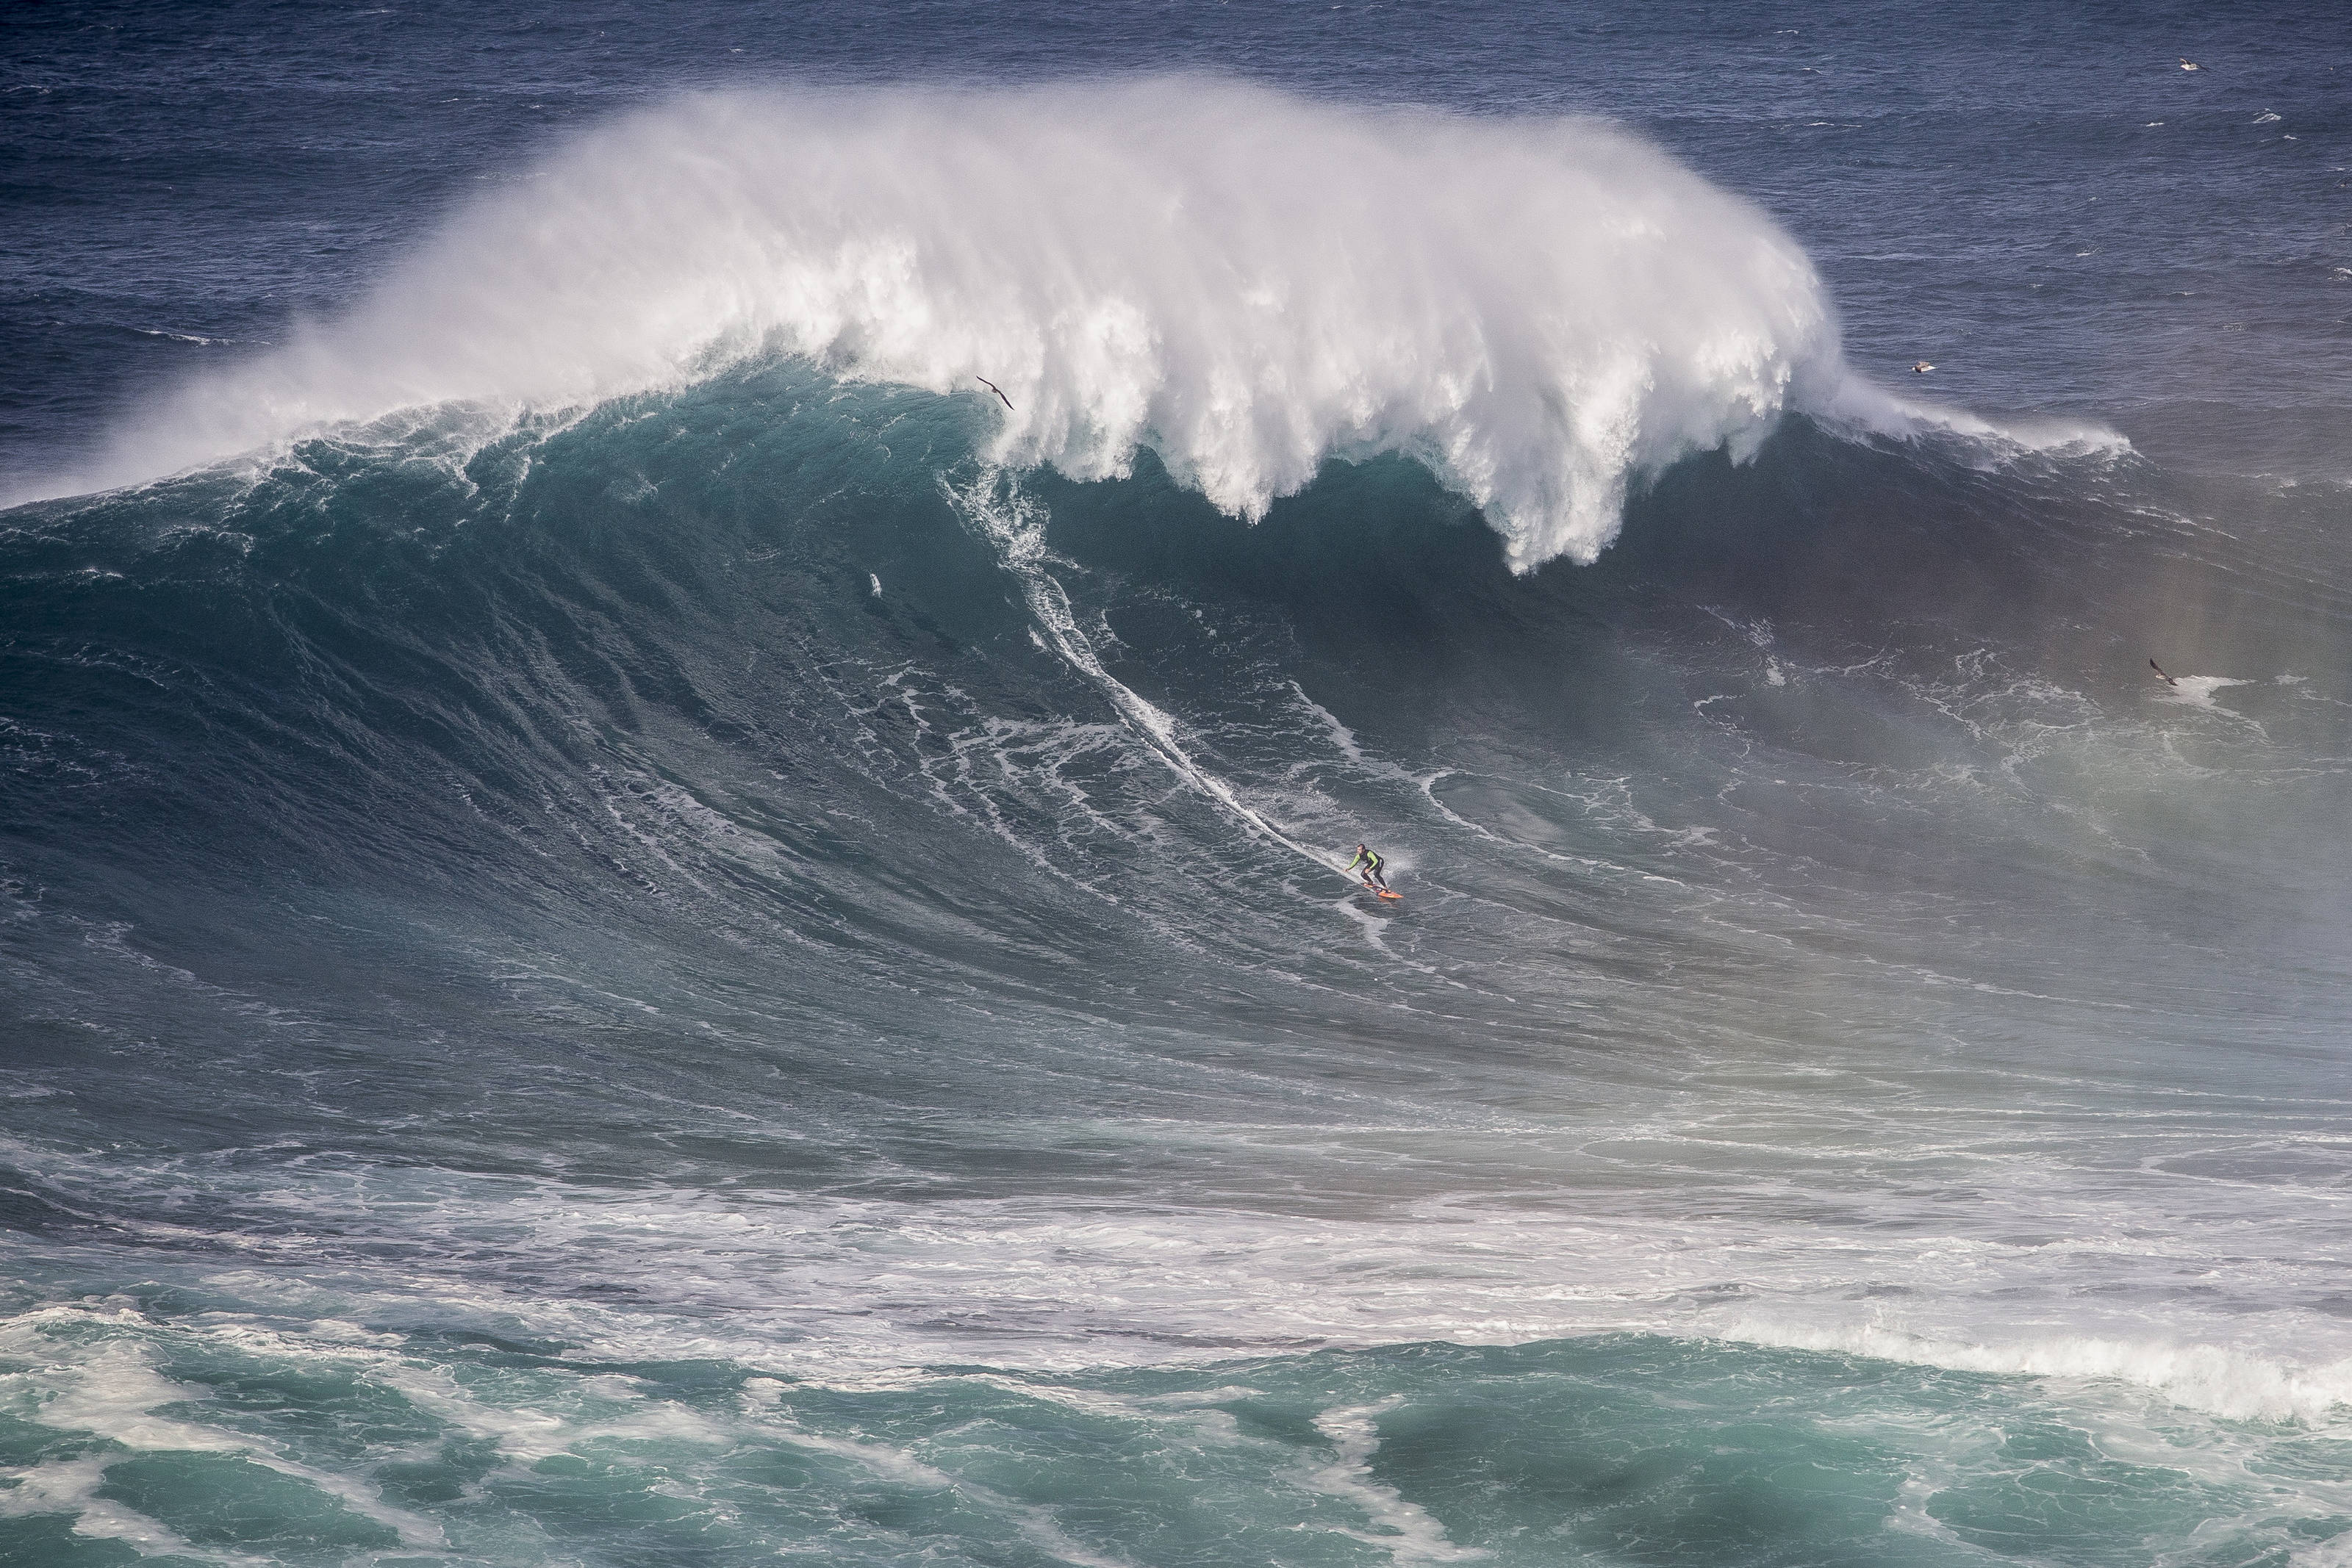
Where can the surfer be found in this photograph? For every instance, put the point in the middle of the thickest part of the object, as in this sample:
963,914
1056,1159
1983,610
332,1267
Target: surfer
2161,675
1371,864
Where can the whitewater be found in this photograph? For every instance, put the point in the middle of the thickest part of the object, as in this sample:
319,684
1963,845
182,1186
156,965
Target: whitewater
1246,283
641,926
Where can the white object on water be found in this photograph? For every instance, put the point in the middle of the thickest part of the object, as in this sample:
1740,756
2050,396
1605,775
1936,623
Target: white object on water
2195,691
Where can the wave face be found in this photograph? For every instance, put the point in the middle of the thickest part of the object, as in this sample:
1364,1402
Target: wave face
1243,282
642,929
735,930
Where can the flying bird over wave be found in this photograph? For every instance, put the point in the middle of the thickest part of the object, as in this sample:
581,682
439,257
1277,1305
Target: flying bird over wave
997,389
1922,368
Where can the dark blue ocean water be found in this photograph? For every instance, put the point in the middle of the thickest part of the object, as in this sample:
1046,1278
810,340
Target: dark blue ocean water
640,926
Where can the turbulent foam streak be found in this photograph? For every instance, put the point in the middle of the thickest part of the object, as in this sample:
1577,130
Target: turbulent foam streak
1245,282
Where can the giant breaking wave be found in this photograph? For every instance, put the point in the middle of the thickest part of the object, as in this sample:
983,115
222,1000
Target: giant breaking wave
1246,283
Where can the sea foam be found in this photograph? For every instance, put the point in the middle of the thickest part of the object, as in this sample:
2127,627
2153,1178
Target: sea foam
1245,282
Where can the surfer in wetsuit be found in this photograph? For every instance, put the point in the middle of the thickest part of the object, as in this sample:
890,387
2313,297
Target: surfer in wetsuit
1371,864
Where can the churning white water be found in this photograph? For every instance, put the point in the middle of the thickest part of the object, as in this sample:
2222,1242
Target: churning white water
1245,282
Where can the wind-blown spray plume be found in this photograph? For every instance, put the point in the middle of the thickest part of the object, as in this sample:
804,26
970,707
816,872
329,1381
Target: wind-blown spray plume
1245,282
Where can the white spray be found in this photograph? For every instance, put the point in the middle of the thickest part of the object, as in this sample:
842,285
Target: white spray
1245,282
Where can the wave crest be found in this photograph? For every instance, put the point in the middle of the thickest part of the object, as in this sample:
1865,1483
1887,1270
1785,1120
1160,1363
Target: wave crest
1246,282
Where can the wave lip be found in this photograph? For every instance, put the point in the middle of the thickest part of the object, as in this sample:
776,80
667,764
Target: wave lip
1246,282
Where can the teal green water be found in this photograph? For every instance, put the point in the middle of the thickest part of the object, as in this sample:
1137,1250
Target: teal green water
641,929
1614,1448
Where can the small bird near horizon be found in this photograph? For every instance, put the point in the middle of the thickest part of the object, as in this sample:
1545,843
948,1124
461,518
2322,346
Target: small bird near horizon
1922,368
2161,675
2189,65
997,389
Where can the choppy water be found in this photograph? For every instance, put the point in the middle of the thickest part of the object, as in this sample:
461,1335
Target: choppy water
641,928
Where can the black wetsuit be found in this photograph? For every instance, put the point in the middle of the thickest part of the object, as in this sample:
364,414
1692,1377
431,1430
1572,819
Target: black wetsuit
1371,864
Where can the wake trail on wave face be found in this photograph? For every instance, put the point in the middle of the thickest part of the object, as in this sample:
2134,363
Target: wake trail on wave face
1247,282
1014,526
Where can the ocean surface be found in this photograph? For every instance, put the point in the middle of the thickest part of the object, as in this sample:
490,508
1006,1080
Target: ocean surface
640,926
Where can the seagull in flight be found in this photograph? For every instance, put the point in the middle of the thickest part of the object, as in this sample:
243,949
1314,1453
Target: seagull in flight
1922,368
997,389
2189,65
2160,674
